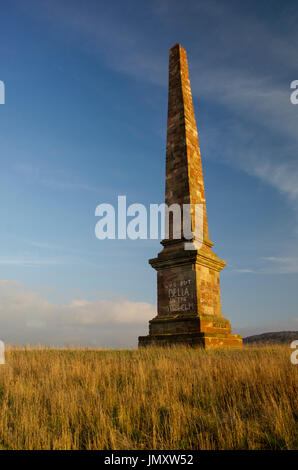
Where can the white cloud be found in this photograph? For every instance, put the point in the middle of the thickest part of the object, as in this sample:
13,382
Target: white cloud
27,317
108,312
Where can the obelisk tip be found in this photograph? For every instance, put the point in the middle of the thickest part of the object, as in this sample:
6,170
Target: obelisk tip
177,46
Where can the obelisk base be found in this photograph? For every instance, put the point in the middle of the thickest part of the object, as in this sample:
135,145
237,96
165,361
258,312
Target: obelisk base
195,339
204,331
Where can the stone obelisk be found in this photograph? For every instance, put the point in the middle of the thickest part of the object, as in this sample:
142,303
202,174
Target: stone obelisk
188,289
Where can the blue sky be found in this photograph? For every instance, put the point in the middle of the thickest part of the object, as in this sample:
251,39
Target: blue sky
85,121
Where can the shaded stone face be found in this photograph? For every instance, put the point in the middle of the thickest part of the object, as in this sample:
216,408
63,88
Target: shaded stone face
188,288
176,291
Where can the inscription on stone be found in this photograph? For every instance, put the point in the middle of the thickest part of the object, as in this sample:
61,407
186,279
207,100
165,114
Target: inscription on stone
180,295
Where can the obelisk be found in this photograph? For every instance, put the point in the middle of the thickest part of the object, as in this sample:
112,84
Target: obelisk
188,289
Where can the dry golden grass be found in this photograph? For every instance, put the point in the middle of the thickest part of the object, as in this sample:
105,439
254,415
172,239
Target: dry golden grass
175,398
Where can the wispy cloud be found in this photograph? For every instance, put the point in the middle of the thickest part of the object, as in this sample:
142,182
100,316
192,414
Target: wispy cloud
46,246
271,265
244,271
240,63
281,265
51,178
31,261
282,176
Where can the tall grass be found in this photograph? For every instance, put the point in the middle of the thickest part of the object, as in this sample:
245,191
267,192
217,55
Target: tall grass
174,398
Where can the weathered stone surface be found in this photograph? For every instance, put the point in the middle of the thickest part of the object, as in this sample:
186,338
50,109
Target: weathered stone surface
192,339
188,288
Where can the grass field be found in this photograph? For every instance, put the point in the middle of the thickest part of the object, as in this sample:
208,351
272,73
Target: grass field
149,399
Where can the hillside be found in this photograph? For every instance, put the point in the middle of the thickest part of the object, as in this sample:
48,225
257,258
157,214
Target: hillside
277,337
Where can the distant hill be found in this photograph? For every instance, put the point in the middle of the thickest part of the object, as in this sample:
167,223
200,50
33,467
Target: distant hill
280,337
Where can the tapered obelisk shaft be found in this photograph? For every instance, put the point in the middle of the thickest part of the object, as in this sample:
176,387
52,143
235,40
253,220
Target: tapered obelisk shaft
184,175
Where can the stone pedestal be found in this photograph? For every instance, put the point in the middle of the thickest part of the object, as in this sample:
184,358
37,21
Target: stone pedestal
189,305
